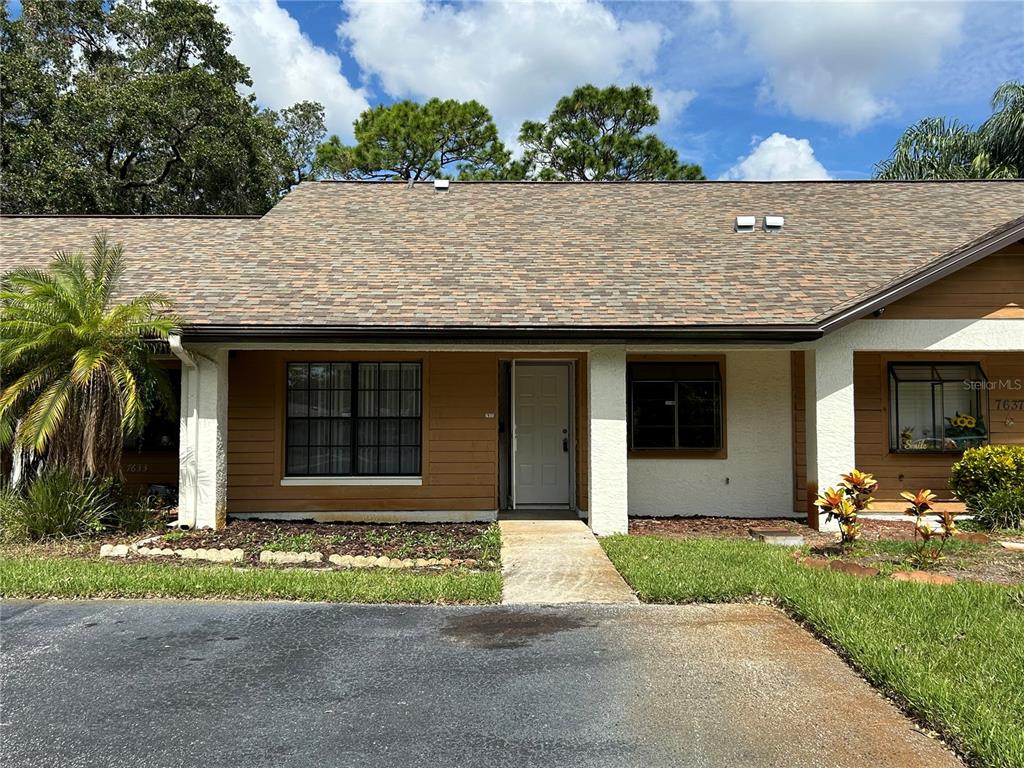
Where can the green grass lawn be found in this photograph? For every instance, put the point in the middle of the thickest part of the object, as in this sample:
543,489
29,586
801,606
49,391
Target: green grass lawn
953,656
80,578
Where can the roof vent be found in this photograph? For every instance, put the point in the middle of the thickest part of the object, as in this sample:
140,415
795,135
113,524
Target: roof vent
744,223
774,223
441,185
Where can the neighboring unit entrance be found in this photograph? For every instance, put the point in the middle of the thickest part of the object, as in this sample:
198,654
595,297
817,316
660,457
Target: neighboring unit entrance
542,435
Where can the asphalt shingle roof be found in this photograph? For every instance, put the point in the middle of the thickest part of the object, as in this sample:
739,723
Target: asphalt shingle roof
537,254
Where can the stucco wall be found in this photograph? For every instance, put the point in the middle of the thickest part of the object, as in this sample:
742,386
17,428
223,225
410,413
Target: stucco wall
756,477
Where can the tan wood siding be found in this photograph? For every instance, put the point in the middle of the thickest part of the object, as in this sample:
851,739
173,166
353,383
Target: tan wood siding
992,287
460,440
898,472
459,455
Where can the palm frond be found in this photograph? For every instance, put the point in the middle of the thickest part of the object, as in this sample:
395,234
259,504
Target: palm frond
44,416
79,355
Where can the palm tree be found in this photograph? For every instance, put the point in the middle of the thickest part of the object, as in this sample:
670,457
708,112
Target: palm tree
1003,132
935,148
79,365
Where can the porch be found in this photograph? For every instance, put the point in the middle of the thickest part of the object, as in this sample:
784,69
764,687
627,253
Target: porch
603,431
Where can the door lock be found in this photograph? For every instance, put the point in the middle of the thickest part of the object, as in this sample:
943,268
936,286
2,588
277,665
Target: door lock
565,444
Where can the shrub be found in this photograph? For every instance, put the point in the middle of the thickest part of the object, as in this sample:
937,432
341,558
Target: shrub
9,501
1002,508
133,513
981,471
57,504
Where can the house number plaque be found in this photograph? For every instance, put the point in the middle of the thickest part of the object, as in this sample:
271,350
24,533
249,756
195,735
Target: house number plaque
1010,405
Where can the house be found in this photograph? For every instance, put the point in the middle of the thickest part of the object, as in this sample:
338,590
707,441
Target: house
390,352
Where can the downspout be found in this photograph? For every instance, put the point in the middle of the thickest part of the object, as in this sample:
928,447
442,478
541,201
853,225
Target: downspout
174,340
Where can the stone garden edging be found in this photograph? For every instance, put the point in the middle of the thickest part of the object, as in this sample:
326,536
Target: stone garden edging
213,555
274,557
359,561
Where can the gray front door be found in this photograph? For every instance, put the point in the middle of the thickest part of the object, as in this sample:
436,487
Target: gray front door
541,429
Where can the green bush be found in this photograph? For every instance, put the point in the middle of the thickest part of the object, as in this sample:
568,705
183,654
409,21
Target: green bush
57,504
981,471
1003,508
9,501
132,513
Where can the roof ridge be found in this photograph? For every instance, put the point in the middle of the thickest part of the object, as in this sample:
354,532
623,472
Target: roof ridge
134,216
646,182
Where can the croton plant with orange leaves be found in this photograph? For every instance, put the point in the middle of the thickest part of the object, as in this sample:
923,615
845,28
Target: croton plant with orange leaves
930,536
846,502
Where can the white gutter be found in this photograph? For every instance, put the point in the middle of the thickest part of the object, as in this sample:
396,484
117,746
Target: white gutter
174,340
192,430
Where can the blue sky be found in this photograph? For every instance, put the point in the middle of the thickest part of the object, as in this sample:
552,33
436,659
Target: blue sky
747,89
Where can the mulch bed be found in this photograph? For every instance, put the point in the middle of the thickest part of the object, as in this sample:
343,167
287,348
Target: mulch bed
721,528
456,541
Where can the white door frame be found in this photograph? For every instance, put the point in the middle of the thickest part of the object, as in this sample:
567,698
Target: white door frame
570,397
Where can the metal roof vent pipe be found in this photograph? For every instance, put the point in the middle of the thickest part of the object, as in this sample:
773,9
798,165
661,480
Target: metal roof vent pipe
744,224
774,224
441,185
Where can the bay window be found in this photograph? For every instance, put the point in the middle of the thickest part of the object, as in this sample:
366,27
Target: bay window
937,407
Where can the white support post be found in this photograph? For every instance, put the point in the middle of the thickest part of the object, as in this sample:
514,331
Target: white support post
831,449
202,455
608,468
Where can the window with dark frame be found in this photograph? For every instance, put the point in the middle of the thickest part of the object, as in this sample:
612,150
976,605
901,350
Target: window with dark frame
353,418
675,406
937,407
162,429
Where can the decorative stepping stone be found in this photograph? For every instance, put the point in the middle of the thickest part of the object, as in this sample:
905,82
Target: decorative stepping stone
974,538
923,577
779,536
853,569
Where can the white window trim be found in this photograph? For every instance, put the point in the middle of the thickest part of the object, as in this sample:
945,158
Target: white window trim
353,480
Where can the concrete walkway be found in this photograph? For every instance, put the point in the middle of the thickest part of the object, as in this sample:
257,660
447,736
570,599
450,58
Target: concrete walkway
549,562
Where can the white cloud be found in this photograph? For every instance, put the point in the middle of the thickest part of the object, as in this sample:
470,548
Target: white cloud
836,61
286,66
515,58
779,158
671,104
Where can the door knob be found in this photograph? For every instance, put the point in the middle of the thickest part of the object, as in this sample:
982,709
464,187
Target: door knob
565,444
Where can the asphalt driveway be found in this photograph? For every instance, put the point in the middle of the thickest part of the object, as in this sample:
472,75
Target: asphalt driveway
282,684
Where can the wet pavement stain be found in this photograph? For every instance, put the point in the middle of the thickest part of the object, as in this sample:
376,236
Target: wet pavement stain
503,630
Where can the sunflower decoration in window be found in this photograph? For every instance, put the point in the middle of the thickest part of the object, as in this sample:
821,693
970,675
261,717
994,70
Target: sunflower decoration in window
965,431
